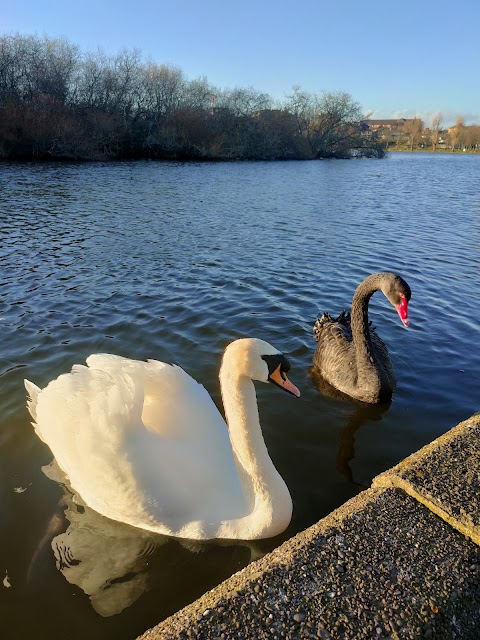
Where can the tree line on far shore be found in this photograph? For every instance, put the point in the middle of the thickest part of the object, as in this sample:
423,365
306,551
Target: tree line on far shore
412,134
59,103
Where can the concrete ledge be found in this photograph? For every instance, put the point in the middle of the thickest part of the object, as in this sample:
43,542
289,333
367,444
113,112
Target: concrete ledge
445,477
381,566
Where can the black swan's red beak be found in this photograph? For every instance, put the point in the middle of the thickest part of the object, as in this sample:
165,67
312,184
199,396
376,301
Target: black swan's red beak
402,310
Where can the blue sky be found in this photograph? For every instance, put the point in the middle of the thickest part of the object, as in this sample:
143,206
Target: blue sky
414,58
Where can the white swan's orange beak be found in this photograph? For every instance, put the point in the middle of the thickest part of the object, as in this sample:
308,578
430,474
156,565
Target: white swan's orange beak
402,310
279,378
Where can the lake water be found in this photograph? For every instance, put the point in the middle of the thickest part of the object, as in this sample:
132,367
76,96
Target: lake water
173,261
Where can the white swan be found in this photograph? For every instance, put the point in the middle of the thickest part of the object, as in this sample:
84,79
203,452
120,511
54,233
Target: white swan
144,444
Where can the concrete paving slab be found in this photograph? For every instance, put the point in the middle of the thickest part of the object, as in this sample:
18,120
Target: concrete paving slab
445,477
381,566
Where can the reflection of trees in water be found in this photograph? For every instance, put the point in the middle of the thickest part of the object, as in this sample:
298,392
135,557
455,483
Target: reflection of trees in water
114,563
362,413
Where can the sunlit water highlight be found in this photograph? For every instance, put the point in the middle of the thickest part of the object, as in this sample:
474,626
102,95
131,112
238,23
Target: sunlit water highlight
173,261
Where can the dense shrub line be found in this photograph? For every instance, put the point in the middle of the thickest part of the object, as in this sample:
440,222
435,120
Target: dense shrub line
59,103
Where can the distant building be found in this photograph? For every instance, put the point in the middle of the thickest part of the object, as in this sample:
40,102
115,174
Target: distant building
396,132
390,125
385,128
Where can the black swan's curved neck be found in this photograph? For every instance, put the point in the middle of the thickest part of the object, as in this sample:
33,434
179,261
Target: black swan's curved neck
359,319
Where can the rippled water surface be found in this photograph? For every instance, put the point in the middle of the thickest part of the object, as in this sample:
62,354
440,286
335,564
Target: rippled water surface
173,261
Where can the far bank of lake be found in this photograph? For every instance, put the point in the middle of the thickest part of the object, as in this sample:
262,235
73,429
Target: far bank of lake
439,151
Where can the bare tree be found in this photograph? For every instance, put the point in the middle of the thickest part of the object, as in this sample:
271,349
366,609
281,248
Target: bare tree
56,68
198,94
302,105
413,128
163,88
336,123
471,137
435,130
243,101
455,132
12,67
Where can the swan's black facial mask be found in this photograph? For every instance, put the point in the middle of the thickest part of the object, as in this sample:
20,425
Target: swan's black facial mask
273,363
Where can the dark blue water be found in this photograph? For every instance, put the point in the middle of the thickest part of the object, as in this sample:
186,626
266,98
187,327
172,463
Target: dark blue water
173,261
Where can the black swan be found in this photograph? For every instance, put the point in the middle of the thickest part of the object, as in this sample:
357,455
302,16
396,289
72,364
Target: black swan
350,355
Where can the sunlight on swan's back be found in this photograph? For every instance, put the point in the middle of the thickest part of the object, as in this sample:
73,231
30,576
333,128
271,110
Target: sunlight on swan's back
143,443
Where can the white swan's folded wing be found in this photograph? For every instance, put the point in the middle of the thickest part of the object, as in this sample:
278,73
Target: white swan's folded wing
142,443
84,417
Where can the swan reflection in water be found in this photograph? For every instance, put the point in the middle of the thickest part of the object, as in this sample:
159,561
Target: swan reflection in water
114,563
359,414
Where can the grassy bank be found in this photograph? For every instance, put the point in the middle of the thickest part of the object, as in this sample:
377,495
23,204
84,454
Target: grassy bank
438,151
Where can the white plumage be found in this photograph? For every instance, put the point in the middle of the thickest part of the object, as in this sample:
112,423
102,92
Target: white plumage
143,443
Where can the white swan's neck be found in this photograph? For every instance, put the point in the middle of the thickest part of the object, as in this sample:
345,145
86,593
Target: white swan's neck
262,484
241,412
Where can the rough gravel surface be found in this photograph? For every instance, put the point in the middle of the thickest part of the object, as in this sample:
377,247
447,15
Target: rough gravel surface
381,566
445,476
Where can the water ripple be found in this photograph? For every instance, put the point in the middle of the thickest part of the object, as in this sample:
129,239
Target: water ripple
173,261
